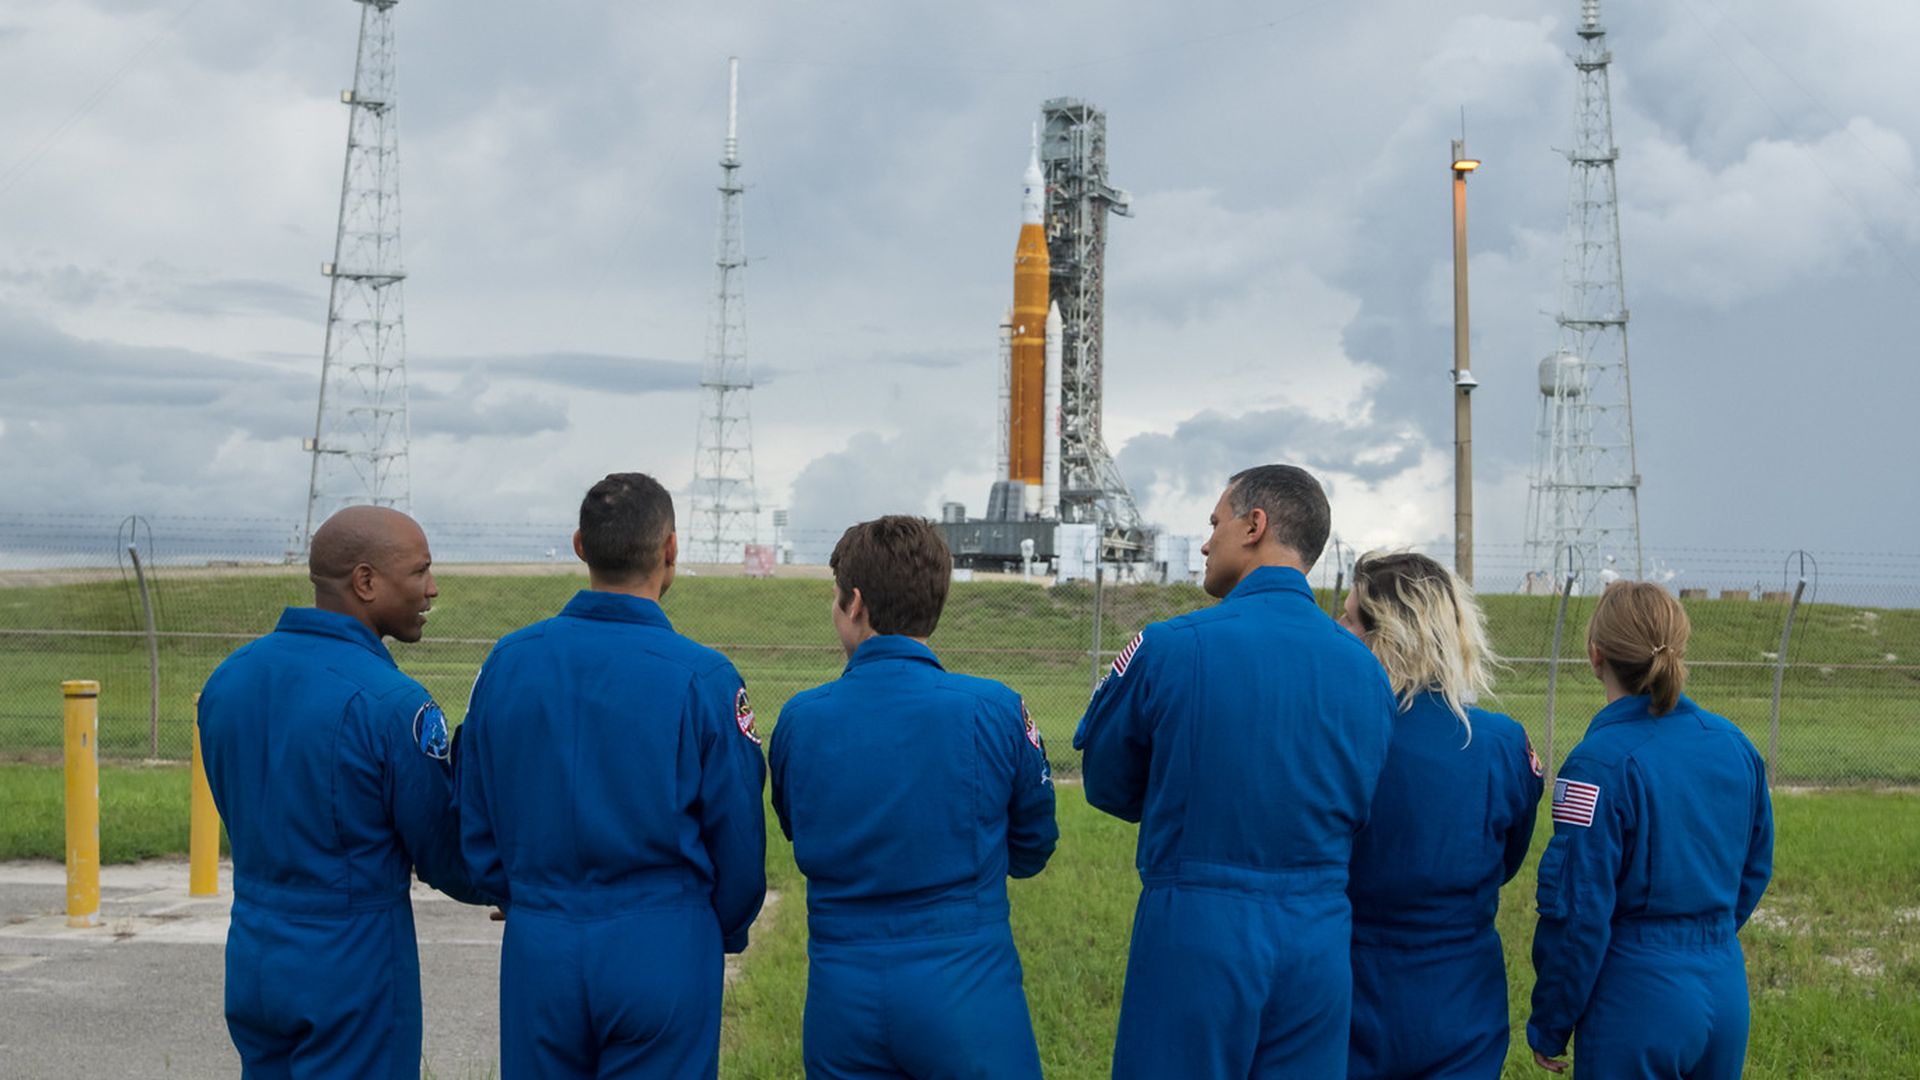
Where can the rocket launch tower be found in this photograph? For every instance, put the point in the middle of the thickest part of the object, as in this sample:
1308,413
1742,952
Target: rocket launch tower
1073,153
1054,468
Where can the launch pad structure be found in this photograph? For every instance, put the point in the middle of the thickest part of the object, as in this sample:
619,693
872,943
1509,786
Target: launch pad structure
1073,156
1054,466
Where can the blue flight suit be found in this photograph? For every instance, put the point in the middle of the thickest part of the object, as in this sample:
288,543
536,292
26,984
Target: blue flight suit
911,795
1246,739
1662,844
1451,823
609,779
329,767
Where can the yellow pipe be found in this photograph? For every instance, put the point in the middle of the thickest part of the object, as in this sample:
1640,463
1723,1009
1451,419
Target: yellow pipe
82,754
203,829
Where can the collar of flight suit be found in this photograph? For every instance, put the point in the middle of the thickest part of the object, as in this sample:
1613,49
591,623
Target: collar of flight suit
1637,707
1272,579
892,647
616,607
306,620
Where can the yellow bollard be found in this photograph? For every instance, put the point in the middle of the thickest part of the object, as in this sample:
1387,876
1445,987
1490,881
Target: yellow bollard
83,801
203,829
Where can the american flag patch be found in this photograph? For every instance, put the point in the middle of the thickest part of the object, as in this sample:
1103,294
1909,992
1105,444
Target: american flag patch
1126,655
1574,802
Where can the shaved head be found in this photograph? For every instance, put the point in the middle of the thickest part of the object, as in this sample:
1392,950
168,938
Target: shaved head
372,562
355,535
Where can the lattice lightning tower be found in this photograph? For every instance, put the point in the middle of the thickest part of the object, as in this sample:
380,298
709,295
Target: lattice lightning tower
1073,154
724,514
1583,513
360,433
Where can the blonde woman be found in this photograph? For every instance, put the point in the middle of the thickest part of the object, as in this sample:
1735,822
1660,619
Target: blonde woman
1662,844
1451,823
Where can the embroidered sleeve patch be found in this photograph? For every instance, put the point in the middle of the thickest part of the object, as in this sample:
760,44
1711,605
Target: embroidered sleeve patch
743,716
1126,655
1033,733
430,732
1575,802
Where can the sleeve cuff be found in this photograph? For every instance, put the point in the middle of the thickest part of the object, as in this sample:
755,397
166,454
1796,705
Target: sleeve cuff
1552,1044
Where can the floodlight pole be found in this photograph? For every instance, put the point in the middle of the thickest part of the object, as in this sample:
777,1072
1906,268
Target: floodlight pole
1463,380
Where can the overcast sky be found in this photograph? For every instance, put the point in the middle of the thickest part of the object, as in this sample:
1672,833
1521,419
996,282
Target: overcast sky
169,175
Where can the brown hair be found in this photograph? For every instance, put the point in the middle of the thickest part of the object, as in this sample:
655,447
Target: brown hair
901,566
1641,632
1423,624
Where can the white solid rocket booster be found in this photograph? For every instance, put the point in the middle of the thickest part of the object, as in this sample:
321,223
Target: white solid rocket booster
1050,470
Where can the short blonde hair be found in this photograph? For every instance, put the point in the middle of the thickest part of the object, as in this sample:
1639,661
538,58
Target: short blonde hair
1641,632
1426,628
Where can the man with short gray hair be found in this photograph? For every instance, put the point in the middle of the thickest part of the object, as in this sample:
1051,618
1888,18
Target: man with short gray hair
1246,739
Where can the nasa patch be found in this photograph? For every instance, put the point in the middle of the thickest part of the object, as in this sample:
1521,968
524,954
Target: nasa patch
1033,733
430,732
743,716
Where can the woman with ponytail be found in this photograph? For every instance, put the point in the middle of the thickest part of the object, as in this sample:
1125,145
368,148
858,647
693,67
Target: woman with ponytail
1451,821
1662,844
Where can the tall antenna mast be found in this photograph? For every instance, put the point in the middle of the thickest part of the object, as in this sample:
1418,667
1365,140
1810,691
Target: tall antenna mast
1583,512
361,434
724,513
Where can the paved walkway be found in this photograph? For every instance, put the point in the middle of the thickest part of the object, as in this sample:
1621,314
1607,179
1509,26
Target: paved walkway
140,994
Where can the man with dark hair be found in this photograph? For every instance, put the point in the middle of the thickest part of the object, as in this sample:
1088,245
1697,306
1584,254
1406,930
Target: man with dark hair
910,795
1247,740
329,767
610,778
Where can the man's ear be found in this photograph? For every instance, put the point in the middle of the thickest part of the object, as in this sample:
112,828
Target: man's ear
579,549
670,551
1257,530
856,605
360,582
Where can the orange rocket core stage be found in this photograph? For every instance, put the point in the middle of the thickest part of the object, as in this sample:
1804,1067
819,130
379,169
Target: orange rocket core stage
1026,412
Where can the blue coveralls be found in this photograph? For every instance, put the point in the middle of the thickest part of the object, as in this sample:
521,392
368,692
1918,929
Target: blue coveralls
911,795
610,778
1662,844
1246,739
1451,823
330,769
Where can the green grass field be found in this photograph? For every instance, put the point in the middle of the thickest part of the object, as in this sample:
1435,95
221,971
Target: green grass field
1850,714
1833,955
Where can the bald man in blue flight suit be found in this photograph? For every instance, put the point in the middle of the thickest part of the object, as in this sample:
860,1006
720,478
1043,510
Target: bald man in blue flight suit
610,782
1247,740
911,794
329,767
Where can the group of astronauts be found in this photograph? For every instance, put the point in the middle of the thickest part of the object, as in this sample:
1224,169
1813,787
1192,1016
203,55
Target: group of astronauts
1326,819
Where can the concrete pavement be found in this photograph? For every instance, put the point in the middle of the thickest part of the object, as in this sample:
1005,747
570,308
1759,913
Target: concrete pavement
140,994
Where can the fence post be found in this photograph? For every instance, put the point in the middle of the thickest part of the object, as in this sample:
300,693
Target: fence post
1779,675
1553,669
203,824
1094,652
82,756
153,656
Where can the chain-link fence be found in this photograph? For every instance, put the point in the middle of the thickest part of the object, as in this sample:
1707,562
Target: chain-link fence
1828,684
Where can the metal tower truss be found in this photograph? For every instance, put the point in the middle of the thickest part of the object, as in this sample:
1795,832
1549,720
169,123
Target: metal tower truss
1073,154
361,433
724,515
1583,511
